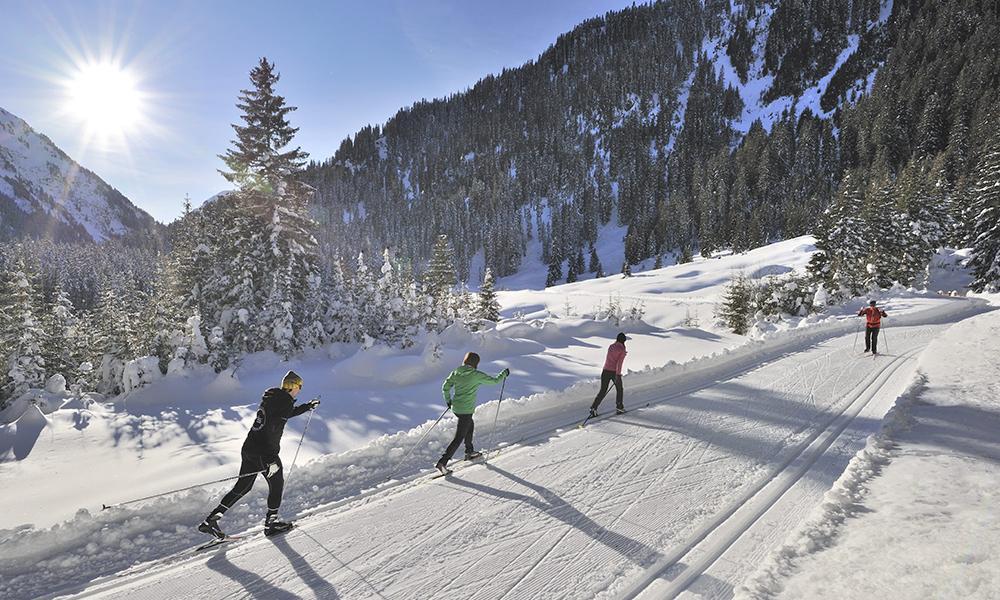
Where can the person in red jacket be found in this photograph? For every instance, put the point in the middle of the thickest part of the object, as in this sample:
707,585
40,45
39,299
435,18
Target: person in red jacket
612,372
873,321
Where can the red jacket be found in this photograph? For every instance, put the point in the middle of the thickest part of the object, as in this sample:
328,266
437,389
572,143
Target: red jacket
873,316
616,356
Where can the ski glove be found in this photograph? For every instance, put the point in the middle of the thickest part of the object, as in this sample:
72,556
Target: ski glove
505,373
272,468
312,404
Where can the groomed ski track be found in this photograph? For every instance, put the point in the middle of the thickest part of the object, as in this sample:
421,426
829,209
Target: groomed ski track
679,499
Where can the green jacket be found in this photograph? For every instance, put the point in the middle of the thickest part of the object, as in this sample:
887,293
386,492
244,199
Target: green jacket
465,380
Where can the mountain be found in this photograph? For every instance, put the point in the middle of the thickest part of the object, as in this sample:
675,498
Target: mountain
690,125
46,194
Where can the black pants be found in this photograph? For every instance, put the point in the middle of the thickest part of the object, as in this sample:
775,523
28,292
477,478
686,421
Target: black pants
606,378
463,432
251,464
871,339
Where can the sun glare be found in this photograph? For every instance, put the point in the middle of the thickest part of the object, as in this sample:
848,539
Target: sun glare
104,98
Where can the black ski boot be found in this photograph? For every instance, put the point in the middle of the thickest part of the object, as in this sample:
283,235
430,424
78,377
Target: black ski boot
473,455
442,465
211,526
272,526
619,411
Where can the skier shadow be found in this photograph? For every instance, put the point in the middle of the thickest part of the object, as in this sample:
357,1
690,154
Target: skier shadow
553,505
255,585
320,586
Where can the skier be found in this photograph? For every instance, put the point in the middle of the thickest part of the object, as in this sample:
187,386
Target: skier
612,372
466,380
260,455
873,321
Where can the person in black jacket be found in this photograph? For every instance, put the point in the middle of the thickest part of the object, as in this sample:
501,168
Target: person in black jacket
260,455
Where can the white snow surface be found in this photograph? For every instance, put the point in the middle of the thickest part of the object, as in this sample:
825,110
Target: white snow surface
914,515
690,492
57,184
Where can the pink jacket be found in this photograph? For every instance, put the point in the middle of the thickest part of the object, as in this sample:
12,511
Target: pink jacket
616,356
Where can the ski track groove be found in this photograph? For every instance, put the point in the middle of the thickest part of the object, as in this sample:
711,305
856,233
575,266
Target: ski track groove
566,532
873,383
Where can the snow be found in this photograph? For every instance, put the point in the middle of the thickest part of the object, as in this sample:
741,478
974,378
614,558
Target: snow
727,416
914,515
56,183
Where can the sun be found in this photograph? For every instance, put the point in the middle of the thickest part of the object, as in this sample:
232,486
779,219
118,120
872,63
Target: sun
105,99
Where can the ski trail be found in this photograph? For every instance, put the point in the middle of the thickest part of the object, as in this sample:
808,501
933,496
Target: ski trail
737,519
641,505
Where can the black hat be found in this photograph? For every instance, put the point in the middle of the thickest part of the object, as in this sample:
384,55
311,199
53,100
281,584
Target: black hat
871,302
621,338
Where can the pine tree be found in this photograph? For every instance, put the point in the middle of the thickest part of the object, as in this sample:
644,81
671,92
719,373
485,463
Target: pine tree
571,274
595,263
554,276
258,161
21,336
488,307
626,269
60,324
985,262
440,275
738,304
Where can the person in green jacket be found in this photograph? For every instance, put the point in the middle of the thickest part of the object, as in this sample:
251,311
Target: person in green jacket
466,380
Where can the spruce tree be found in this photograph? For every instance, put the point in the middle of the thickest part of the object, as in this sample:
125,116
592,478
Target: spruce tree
259,159
985,262
554,276
595,263
737,304
440,275
488,307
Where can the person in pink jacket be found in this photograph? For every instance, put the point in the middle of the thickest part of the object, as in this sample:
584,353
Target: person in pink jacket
612,372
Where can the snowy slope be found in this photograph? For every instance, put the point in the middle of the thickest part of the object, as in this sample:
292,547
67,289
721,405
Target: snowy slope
188,429
44,193
680,497
914,516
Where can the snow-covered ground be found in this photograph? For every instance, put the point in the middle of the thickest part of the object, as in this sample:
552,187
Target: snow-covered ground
915,514
685,495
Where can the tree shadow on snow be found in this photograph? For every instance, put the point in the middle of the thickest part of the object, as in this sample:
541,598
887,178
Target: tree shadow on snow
20,436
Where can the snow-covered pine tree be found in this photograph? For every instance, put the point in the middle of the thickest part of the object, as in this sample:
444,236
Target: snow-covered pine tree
571,273
61,342
737,304
22,337
843,241
985,262
266,171
595,263
258,160
626,269
554,275
440,276
488,307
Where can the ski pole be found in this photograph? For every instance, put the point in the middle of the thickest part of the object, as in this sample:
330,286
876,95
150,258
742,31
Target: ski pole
885,340
184,489
495,419
302,437
392,473
857,330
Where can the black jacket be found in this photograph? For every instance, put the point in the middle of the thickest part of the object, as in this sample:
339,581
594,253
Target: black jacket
276,407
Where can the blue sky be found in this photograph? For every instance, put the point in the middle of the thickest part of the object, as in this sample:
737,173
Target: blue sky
344,64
